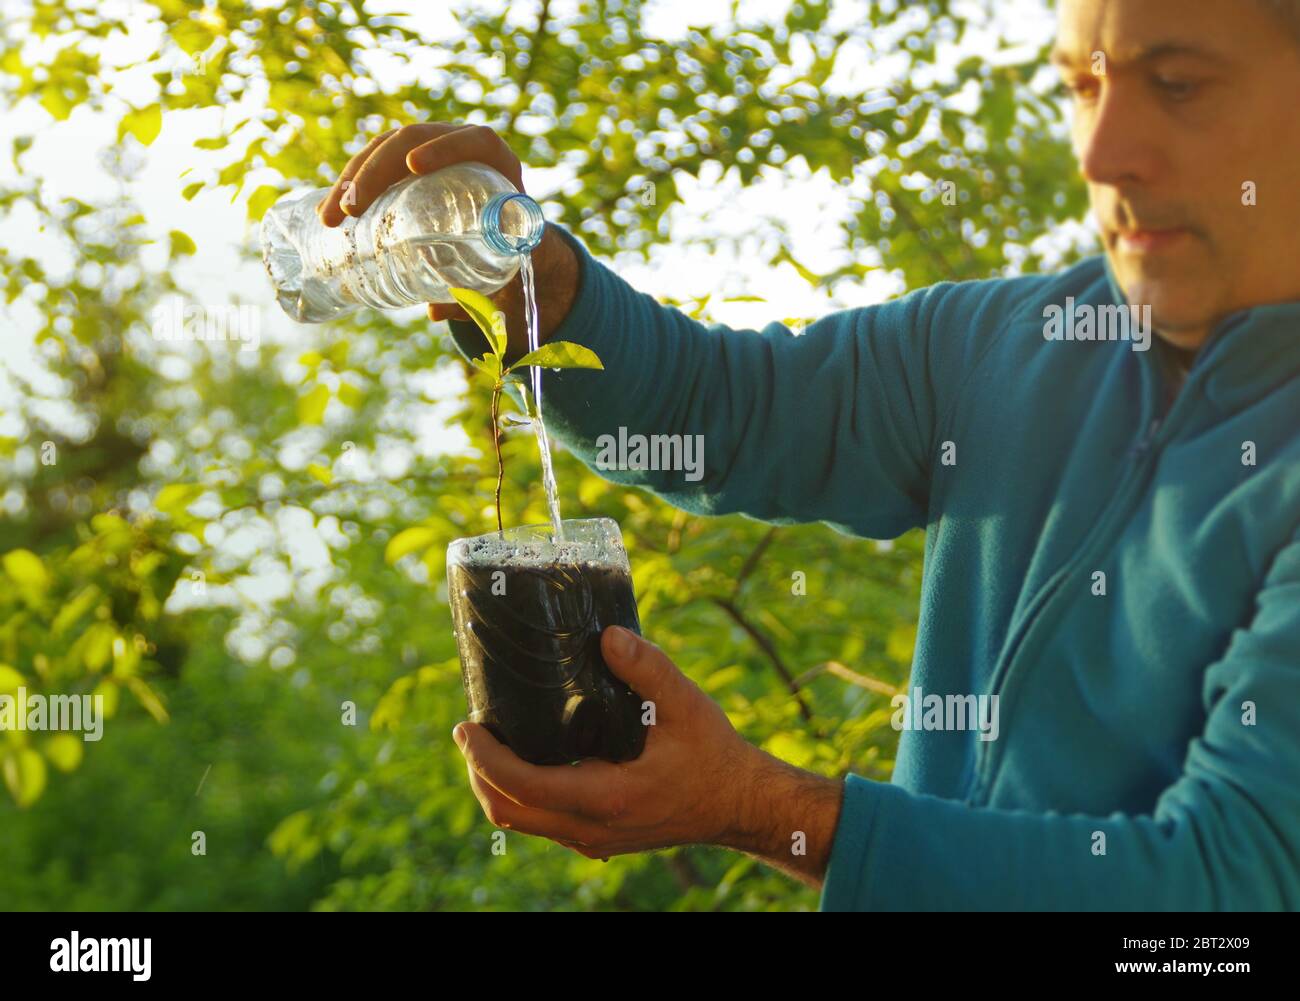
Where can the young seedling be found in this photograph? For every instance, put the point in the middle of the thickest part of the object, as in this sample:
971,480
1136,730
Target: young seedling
553,354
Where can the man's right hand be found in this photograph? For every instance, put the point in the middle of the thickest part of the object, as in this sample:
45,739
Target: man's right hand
421,149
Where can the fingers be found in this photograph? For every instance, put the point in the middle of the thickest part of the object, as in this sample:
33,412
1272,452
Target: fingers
386,165
381,164
594,789
646,669
472,142
329,210
591,851
503,812
446,311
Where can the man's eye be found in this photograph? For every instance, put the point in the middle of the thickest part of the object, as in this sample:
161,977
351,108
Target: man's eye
1175,89
1080,88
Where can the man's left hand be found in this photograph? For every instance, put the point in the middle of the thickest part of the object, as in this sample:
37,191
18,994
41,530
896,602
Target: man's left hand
697,781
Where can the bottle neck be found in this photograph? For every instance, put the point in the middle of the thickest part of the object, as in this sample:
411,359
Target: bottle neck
512,223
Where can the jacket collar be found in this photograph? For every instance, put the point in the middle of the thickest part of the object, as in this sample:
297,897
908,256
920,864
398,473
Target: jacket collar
1249,354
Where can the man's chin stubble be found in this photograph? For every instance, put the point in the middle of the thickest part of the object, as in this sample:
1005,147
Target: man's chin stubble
1169,295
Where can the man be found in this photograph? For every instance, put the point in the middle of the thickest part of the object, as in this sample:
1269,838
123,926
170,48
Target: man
1112,517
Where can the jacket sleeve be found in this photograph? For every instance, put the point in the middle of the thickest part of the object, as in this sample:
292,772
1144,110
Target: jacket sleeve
1224,836
835,425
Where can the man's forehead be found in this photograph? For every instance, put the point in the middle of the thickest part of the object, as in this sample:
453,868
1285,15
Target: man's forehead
1135,31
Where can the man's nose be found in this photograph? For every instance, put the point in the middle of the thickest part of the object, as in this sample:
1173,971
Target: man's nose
1114,140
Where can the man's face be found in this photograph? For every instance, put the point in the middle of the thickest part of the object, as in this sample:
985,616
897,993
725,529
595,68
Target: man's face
1178,104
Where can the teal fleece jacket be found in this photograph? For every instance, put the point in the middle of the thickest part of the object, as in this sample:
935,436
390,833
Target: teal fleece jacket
1148,743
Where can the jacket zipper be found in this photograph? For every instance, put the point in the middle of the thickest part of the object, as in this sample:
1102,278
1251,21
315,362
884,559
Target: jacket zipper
1142,454
1142,457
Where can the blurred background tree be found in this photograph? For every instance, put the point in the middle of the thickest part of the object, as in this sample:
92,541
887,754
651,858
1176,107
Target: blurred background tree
220,548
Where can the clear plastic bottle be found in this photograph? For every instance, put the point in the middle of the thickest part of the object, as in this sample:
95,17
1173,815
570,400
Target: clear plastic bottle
464,226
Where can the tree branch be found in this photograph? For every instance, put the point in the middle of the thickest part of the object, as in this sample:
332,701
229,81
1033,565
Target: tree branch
752,561
847,674
769,648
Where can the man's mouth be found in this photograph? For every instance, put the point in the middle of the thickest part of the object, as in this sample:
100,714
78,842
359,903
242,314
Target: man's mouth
1150,240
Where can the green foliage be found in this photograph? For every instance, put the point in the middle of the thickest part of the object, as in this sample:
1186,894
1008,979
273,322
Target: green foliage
144,124
136,564
559,354
485,315
553,354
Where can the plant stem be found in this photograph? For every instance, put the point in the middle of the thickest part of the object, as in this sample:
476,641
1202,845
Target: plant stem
496,441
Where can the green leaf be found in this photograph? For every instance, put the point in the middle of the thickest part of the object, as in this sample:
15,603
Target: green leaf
289,832
311,407
143,123
322,473
27,571
409,540
181,243
215,142
71,612
146,564
488,318
811,277
261,200
97,645
174,498
490,365
24,772
111,524
55,102
190,190
231,173
12,63
111,693
561,354
498,337
148,698
64,751
350,395
723,678
10,679
191,36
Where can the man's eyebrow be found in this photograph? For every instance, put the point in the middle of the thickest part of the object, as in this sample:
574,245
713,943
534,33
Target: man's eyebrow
1147,54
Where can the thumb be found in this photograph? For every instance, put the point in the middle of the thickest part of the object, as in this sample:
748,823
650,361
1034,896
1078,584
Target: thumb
637,661
439,311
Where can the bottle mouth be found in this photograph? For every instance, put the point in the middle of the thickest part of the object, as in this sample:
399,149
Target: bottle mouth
512,223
